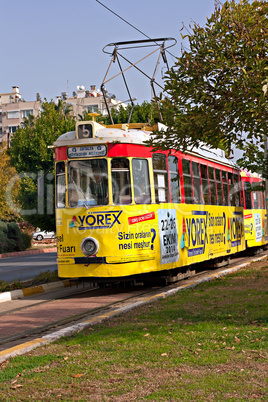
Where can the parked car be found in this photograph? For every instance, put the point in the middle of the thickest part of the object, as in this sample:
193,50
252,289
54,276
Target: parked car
43,234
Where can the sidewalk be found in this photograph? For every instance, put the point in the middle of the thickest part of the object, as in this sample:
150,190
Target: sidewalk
29,252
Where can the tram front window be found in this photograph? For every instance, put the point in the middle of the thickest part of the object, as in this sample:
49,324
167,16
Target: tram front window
88,182
141,181
121,181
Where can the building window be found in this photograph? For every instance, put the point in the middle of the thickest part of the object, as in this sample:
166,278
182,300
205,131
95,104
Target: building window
0,117
26,113
14,114
92,109
1,132
12,129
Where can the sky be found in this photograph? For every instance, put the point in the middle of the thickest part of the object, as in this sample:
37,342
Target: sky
53,46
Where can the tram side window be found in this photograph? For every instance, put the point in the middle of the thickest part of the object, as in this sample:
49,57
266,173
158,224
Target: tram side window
255,196
219,187
160,178
187,181
121,186
204,176
212,185
196,183
174,179
225,188
232,189
60,185
247,190
240,192
141,181
260,200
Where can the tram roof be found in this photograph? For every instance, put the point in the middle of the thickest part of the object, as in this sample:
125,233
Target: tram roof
136,133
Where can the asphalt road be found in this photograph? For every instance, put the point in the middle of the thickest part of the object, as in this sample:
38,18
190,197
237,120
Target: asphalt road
26,267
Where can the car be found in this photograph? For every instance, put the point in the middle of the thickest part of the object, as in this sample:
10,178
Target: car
43,234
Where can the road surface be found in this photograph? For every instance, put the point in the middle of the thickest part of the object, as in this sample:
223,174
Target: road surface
26,267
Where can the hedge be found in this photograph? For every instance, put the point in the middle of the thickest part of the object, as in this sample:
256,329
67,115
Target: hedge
12,238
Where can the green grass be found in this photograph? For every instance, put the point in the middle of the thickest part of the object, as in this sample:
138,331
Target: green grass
204,344
42,278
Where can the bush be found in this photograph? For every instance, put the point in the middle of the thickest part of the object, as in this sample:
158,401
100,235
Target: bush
3,241
12,238
26,240
6,245
3,227
14,233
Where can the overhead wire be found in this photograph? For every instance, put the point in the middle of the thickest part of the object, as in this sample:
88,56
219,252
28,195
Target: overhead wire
137,29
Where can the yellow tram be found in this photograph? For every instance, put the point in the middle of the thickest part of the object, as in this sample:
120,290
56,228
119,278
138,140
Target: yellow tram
255,212
123,210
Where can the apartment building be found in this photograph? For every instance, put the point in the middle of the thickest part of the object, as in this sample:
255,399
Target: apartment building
13,109
89,100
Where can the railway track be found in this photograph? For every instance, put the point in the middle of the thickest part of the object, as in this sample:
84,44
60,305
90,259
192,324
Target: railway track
41,317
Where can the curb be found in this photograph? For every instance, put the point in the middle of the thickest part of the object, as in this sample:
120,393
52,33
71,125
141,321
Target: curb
69,331
47,287
29,252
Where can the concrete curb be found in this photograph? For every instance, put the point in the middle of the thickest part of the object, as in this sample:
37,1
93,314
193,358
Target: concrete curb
29,252
28,346
47,287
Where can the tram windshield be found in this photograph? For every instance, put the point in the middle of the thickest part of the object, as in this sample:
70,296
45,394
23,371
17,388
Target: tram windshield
88,182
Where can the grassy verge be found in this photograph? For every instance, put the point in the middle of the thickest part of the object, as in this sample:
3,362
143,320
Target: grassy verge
205,344
41,279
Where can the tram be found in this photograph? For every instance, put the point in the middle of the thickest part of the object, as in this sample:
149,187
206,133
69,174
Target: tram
255,213
123,210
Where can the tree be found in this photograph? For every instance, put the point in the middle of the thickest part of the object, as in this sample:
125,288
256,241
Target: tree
217,90
7,172
33,161
144,113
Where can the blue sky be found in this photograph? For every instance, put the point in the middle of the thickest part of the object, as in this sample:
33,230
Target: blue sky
53,46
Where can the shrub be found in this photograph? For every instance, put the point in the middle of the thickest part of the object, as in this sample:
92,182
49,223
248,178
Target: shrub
6,245
12,238
3,241
14,233
3,227
26,240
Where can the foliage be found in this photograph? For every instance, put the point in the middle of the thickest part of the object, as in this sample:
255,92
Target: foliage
14,233
145,113
7,213
33,159
12,238
26,240
217,90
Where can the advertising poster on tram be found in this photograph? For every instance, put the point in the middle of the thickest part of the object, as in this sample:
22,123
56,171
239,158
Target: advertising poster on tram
168,235
258,228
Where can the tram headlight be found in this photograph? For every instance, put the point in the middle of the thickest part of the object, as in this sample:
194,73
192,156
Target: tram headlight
89,246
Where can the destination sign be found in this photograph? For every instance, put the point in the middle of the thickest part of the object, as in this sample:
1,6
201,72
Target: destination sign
86,151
